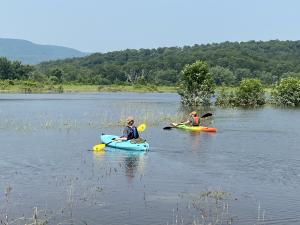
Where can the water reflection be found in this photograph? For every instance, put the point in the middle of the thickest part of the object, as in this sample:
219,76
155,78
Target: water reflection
132,162
195,141
98,155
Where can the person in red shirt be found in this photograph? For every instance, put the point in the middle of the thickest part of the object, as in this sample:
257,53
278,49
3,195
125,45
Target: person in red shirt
194,120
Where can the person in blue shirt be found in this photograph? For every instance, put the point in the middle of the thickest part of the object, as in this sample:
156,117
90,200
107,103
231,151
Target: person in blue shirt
130,131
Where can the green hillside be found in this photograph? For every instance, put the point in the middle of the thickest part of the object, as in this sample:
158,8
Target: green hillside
229,61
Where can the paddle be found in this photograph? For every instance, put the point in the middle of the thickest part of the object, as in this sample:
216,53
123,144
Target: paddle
141,127
206,115
100,147
203,116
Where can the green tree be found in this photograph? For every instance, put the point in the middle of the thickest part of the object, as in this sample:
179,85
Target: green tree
291,74
6,71
225,98
287,92
37,76
242,73
141,80
58,74
166,77
196,85
266,77
21,71
250,93
222,75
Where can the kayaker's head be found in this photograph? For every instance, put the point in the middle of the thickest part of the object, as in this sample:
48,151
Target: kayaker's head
130,120
194,113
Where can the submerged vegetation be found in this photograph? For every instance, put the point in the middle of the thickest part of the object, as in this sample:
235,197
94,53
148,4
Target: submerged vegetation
47,122
250,93
287,92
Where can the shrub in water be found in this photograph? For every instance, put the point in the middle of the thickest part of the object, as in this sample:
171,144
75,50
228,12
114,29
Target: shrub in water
196,85
250,93
225,99
287,92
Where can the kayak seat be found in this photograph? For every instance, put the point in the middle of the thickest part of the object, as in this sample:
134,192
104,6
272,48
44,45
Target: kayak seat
137,141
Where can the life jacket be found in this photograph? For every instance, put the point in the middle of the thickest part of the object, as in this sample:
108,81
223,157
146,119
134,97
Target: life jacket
195,121
131,133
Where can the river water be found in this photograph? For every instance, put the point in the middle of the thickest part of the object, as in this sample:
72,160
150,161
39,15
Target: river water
246,173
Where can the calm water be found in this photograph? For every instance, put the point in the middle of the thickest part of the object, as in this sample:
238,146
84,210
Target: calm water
252,163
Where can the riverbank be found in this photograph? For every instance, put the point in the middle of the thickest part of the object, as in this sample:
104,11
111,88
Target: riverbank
69,88
37,87
27,87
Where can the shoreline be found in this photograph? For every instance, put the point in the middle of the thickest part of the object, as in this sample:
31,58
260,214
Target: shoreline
83,88
78,88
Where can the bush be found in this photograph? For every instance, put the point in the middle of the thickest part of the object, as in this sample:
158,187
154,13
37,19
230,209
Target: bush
4,84
152,87
287,92
141,80
11,82
29,86
250,93
60,89
222,75
225,99
53,80
196,85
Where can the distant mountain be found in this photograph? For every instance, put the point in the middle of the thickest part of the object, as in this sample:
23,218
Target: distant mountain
31,53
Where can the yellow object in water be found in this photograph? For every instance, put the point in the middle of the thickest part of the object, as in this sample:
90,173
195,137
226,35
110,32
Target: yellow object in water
98,147
141,127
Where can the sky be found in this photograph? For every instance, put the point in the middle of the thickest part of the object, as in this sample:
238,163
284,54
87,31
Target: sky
102,26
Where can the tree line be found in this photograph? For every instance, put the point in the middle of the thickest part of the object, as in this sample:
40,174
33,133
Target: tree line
229,63
197,88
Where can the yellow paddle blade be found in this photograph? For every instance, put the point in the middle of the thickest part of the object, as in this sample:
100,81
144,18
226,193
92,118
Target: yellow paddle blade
98,147
141,127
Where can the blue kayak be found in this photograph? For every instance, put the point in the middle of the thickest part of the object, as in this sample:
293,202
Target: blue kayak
125,145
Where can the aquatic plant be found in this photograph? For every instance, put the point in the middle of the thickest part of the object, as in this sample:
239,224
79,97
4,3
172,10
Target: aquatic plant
287,92
196,85
250,93
206,208
225,98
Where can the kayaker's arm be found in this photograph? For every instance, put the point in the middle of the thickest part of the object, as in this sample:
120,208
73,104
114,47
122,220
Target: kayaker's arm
124,137
186,122
121,139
